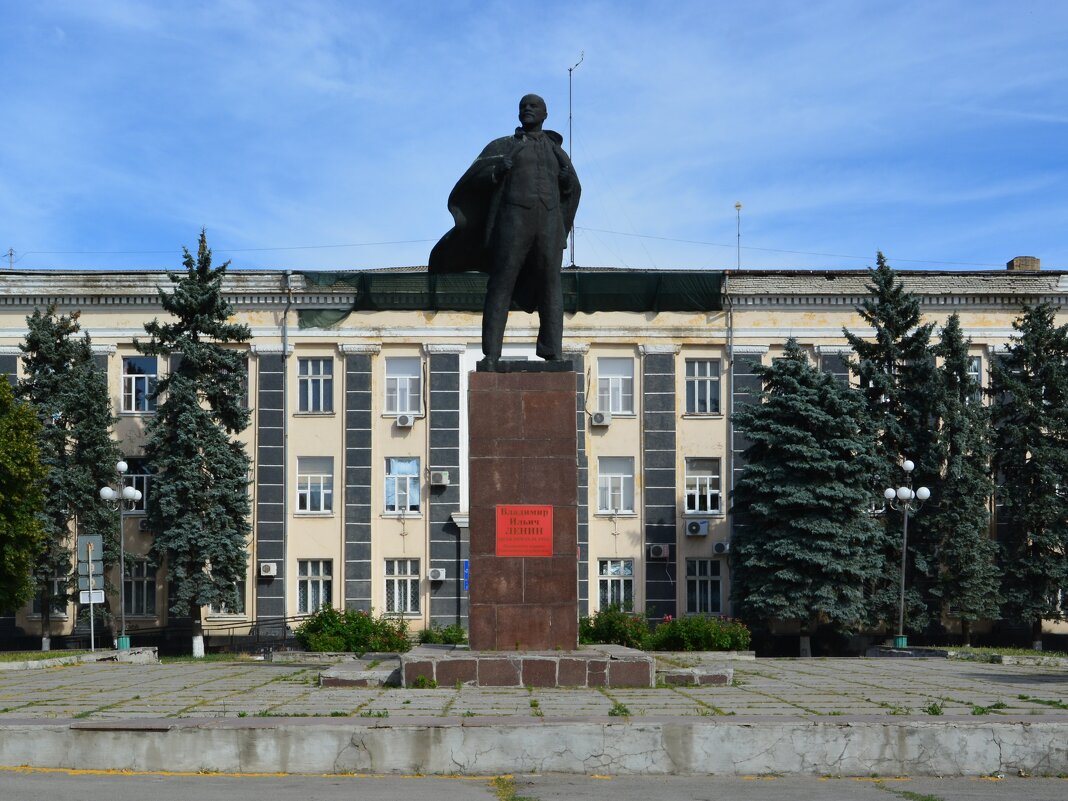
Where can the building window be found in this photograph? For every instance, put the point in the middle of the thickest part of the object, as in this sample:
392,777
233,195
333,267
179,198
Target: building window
315,385
138,383
615,484
138,477
615,385
616,583
703,586
58,603
314,584
702,487
702,386
402,485
140,589
238,608
403,385
402,586
975,373
315,484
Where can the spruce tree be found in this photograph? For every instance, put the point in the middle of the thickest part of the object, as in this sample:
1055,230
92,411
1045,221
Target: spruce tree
806,552
897,376
70,397
1030,389
199,506
21,499
965,553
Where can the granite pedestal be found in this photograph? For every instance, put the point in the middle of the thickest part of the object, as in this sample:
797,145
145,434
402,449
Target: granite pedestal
523,457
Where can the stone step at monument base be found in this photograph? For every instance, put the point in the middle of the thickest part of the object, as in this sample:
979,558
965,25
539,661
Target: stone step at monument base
359,674
588,666
695,677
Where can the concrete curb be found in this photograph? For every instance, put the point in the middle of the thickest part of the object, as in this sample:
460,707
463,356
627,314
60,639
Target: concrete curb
861,746
133,656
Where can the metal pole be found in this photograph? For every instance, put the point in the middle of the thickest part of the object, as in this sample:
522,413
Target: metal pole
570,147
122,567
904,553
92,623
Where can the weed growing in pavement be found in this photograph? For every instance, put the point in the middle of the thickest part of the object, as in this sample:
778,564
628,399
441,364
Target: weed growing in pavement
375,713
242,714
337,713
980,710
619,710
423,683
504,787
1044,701
934,708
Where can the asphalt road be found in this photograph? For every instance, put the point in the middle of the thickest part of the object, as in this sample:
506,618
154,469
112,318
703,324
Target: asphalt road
19,784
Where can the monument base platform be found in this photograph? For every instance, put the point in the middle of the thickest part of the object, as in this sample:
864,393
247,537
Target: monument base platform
588,666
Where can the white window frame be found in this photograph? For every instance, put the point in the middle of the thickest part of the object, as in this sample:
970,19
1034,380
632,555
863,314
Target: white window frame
140,480
707,575
403,587
139,590
615,583
403,496
404,385
315,481
615,485
703,486
703,382
615,384
137,386
315,585
315,385
222,611
59,605
977,376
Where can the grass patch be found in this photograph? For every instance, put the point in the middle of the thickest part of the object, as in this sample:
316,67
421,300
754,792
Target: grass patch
504,787
934,708
909,795
375,713
987,651
619,710
1044,701
36,656
423,683
189,658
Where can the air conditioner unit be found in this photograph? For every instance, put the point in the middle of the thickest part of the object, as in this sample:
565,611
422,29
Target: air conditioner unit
405,420
721,547
143,525
697,528
659,551
601,419
439,478
436,574
268,568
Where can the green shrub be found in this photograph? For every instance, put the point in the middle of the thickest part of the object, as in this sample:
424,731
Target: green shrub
444,635
352,631
614,625
698,633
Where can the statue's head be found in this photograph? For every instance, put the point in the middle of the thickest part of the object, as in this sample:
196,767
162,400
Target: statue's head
532,112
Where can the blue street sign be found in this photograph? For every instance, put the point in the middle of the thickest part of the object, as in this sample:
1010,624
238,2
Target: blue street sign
467,574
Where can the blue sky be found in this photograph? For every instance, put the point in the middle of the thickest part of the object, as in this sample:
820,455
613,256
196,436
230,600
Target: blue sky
327,135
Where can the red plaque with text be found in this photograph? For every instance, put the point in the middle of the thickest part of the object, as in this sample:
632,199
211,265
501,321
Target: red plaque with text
524,531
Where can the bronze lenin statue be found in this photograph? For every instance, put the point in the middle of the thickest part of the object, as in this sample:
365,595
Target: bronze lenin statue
514,209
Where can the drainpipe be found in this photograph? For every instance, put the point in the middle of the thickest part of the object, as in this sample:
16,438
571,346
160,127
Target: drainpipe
285,448
730,413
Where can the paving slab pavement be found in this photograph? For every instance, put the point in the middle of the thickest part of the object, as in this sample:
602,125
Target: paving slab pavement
879,713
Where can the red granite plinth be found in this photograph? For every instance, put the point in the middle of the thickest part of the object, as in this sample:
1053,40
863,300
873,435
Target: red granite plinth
591,666
523,453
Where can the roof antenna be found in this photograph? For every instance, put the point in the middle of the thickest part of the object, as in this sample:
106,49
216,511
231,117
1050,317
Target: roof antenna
582,56
11,258
738,213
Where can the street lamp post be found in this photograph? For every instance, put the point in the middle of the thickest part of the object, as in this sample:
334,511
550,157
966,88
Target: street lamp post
907,501
121,498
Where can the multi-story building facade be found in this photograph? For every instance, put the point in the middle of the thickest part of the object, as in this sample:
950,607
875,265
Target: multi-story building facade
357,385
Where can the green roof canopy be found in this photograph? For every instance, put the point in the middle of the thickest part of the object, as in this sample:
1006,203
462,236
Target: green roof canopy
584,291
